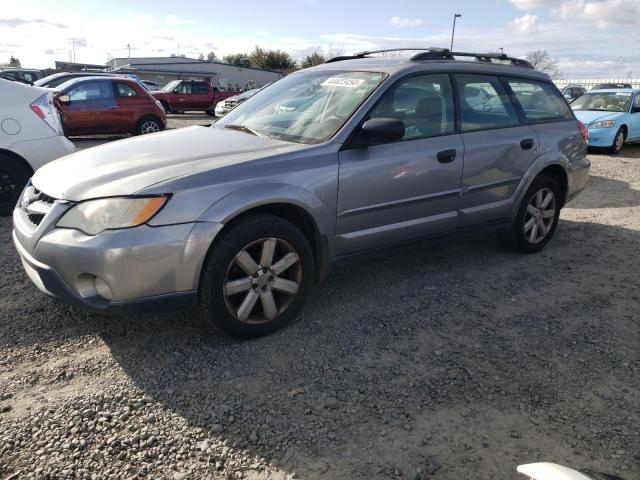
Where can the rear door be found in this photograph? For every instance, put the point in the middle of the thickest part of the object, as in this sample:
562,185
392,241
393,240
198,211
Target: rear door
91,108
498,149
201,97
399,191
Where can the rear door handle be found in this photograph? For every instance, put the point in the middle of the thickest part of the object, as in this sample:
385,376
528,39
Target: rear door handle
527,144
113,107
447,156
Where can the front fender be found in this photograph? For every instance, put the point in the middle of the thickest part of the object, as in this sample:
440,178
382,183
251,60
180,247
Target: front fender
253,196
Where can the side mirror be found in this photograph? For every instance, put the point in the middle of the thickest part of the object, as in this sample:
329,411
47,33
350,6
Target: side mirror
64,99
381,130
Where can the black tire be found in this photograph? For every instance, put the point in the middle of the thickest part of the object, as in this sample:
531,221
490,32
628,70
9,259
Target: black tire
211,113
618,141
220,261
14,175
514,238
145,124
165,105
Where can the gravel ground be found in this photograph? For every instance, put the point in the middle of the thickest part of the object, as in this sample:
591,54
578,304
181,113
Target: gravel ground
449,360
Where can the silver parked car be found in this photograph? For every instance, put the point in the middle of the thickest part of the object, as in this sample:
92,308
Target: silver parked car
245,216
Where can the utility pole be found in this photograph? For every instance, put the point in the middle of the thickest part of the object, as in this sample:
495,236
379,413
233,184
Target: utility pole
73,49
453,31
129,48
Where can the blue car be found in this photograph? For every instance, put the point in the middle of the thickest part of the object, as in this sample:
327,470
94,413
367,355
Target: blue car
612,117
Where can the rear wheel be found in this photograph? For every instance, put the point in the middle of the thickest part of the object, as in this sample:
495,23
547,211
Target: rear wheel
618,141
166,106
256,277
537,217
13,178
148,125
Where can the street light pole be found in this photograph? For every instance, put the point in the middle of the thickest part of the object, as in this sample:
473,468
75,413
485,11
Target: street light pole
453,31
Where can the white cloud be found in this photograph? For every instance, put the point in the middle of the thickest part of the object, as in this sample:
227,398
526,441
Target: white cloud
525,25
173,20
602,13
405,22
532,4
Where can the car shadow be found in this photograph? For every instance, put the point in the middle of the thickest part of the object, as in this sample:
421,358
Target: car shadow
384,347
603,192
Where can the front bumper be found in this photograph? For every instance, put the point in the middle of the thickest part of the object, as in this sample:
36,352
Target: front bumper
146,268
602,137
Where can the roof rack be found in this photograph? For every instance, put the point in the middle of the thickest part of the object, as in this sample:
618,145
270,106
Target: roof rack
441,54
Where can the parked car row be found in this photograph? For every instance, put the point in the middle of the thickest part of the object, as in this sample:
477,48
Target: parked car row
181,95
245,216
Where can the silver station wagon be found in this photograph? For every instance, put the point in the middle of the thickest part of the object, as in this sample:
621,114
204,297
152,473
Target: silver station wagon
245,216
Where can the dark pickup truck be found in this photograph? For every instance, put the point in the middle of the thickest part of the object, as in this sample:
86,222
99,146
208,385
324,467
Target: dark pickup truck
180,95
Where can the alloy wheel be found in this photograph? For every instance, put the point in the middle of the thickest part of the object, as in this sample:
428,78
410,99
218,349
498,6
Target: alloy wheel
262,280
7,186
540,215
149,127
619,141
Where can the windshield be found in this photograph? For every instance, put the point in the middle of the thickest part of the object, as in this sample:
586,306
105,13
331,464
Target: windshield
603,101
171,86
307,107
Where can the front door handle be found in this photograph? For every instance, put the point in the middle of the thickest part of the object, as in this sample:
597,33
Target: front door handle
447,156
527,144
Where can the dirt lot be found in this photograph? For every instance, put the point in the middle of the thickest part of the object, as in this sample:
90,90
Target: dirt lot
451,360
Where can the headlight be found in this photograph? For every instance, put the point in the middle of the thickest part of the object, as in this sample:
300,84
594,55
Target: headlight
94,216
603,124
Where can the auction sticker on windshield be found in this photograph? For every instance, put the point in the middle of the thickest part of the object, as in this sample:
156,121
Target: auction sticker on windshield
342,82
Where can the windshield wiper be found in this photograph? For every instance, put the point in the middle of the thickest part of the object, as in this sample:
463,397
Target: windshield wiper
243,128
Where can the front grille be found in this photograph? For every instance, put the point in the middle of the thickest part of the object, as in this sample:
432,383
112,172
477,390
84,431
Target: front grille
36,204
230,104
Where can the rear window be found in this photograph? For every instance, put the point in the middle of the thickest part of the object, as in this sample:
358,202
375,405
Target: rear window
540,101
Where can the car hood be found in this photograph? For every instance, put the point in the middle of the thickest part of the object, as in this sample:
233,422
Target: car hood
590,116
127,166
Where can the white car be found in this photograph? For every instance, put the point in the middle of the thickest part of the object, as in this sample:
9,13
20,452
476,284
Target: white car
31,135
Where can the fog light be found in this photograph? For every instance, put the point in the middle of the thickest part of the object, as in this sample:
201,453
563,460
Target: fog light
102,288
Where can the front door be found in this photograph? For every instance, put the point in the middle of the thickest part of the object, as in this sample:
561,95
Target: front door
91,108
395,192
634,121
182,99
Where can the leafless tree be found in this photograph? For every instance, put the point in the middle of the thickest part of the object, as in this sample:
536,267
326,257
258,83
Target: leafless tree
542,60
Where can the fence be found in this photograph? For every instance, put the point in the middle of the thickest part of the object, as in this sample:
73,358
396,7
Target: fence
590,82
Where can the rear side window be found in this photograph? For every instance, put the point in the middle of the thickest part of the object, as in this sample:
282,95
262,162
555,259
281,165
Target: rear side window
124,90
540,101
200,88
484,103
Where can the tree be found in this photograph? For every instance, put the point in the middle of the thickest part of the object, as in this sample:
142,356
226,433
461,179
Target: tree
312,60
542,60
211,57
14,61
271,59
239,59
201,57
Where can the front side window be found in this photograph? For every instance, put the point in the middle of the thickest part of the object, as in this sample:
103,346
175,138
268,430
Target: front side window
539,101
603,101
171,86
123,90
30,77
423,103
94,90
305,107
184,88
484,104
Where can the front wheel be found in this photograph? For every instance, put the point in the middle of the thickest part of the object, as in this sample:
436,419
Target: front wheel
537,217
618,142
256,277
211,113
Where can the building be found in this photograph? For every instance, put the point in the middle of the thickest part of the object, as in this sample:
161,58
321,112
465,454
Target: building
164,69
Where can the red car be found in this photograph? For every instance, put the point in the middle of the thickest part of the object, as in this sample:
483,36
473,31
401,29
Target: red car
181,95
99,105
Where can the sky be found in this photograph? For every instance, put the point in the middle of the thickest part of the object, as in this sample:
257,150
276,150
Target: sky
589,38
